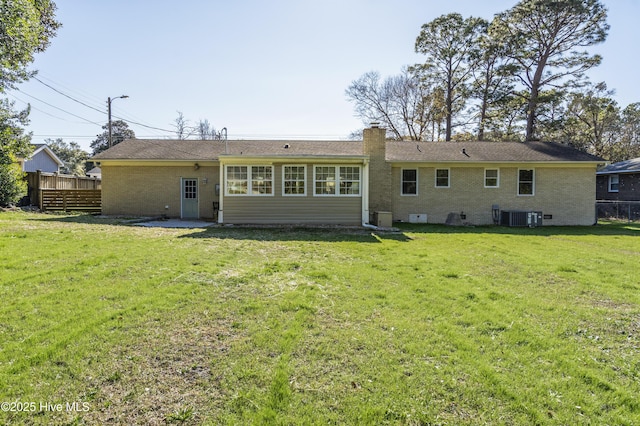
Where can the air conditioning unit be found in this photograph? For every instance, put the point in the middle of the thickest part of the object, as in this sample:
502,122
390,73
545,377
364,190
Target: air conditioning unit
531,219
382,219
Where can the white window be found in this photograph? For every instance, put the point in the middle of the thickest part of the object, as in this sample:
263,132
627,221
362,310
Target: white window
350,180
526,182
324,180
442,178
249,180
614,183
409,182
336,180
261,180
294,180
237,183
491,178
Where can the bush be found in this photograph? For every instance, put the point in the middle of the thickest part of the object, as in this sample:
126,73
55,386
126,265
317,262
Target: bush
12,184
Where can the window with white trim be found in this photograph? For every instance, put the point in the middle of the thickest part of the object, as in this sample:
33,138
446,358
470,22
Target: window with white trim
491,178
349,180
237,183
409,182
614,183
294,180
249,180
324,178
526,181
336,180
261,180
442,178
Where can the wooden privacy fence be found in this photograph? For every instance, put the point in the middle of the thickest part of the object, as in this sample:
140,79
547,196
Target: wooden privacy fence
53,191
71,199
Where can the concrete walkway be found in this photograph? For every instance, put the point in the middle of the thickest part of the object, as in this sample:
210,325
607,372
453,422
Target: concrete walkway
176,223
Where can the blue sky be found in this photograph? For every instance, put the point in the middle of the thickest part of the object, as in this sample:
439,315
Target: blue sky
262,69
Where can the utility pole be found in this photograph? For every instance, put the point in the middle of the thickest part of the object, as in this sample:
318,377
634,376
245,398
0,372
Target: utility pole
109,100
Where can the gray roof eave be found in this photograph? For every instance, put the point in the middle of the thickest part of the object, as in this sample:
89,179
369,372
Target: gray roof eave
617,172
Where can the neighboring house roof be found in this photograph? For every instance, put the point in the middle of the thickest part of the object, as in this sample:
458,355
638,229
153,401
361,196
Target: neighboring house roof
469,152
95,172
628,166
44,147
42,158
192,150
143,149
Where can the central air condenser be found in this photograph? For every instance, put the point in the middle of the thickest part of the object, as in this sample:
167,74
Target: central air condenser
531,219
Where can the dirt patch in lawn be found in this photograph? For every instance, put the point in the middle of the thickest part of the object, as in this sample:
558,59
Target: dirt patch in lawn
166,376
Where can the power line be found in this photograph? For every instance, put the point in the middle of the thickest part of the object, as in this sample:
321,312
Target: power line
36,108
88,97
53,106
143,125
67,96
99,110
88,106
64,136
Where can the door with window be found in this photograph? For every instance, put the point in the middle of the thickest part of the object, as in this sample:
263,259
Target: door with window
189,199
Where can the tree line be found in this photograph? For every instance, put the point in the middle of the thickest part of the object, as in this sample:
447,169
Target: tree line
520,77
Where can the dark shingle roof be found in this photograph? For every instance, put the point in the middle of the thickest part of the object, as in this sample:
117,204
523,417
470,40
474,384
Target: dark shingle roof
296,148
469,152
143,149
628,166
146,149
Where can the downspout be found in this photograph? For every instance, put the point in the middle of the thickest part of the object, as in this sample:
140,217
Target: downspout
222,191
223,184
365,193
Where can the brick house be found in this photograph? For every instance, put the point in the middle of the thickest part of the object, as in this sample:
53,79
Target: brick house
619,181
347,182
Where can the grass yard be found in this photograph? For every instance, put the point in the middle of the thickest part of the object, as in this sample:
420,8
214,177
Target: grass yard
106,323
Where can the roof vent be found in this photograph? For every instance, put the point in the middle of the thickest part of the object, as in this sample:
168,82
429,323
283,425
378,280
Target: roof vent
286,146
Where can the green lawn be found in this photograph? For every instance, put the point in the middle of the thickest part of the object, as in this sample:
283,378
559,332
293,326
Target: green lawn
432,325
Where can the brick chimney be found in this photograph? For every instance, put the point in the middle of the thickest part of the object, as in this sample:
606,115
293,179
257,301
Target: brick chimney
374,145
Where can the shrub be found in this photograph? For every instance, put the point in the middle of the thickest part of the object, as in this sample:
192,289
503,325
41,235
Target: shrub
12,184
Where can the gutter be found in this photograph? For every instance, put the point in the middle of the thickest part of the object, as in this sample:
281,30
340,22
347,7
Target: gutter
221,193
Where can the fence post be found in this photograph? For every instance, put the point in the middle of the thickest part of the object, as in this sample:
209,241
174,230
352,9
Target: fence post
38,188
